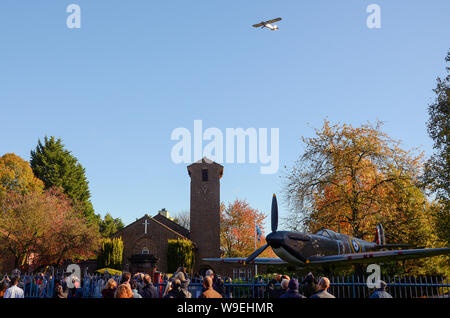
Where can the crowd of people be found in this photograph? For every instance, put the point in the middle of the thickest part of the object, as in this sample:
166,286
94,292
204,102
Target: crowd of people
140,285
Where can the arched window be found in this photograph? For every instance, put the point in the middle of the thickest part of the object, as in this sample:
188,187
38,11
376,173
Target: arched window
145,251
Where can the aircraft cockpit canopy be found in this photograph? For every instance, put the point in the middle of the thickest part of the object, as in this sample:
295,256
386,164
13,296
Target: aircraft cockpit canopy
327,233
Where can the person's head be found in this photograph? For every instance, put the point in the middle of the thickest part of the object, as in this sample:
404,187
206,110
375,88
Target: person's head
134,284
278,278
14,281
309,278
284,284
382,284
123,291
147,279
285,277
126,277
59,289
210,273
324,283
207,282
111,284
293,284
180,276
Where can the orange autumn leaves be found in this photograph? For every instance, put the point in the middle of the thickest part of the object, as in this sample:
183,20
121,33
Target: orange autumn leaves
353,178
237,230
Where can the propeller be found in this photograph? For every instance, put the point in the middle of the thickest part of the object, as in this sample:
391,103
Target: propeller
274,213
274,221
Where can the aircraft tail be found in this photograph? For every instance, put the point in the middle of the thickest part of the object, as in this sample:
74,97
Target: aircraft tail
379,235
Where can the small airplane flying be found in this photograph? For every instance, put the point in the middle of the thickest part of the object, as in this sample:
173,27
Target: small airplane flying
267,24
327,247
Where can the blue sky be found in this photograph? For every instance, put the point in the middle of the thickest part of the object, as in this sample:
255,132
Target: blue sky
115,89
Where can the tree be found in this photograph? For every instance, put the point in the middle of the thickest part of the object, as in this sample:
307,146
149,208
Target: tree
109,225
184,219
45,229
437,168
237,229
57,167
352,179
111,252
16,176
180,253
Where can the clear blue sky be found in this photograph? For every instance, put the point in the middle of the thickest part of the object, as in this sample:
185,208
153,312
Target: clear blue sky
116,88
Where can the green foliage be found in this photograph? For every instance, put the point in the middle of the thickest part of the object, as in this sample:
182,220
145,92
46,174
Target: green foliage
109,225
111,253
57,167
437,168
180,253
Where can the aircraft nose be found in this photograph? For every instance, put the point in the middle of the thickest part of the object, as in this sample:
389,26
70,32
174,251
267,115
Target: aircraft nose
275,239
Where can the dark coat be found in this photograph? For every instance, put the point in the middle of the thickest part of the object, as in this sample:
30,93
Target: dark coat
292,294
149,291
108,293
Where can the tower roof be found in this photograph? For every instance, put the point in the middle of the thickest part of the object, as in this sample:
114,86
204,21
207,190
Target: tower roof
206,160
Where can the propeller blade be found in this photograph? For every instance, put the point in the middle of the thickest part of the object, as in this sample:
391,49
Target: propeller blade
256,253
274,213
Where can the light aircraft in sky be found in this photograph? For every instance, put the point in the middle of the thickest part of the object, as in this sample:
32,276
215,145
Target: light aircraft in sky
268,24
327,247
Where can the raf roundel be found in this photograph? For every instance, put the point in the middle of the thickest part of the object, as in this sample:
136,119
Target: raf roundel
355,246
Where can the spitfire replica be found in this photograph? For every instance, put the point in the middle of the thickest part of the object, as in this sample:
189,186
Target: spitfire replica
327,247
267,24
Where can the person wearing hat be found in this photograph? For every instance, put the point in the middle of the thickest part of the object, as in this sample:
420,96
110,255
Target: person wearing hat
292,291
381,291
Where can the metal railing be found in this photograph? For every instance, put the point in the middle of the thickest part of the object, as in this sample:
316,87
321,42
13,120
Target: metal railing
352,286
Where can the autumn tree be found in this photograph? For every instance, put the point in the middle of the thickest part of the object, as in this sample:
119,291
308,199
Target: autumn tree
44,228
237,229
111,253
437,168
353,178
57,167
16,176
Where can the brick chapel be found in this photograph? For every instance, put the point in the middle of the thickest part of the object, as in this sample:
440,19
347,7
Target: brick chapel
145,240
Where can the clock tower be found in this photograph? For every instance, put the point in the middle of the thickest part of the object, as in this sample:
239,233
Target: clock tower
205,208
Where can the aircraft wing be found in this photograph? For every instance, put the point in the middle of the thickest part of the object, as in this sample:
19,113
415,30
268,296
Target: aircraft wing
258,25
378,256
274,20
241,260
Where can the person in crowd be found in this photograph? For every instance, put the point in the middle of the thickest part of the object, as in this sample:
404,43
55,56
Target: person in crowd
134,289
123,291
14,291
273,290
126,276
183,279
309,285
218,284
110,289
3,288
209,291
148,291
59,292
284,285
176,291
381,292
76,291
292,291
324,284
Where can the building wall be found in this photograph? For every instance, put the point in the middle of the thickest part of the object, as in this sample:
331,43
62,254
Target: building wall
205,209
155,240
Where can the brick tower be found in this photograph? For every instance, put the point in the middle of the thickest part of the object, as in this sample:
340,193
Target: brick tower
205,208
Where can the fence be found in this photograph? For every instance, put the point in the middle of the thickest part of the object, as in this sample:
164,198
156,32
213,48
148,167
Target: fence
340,286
